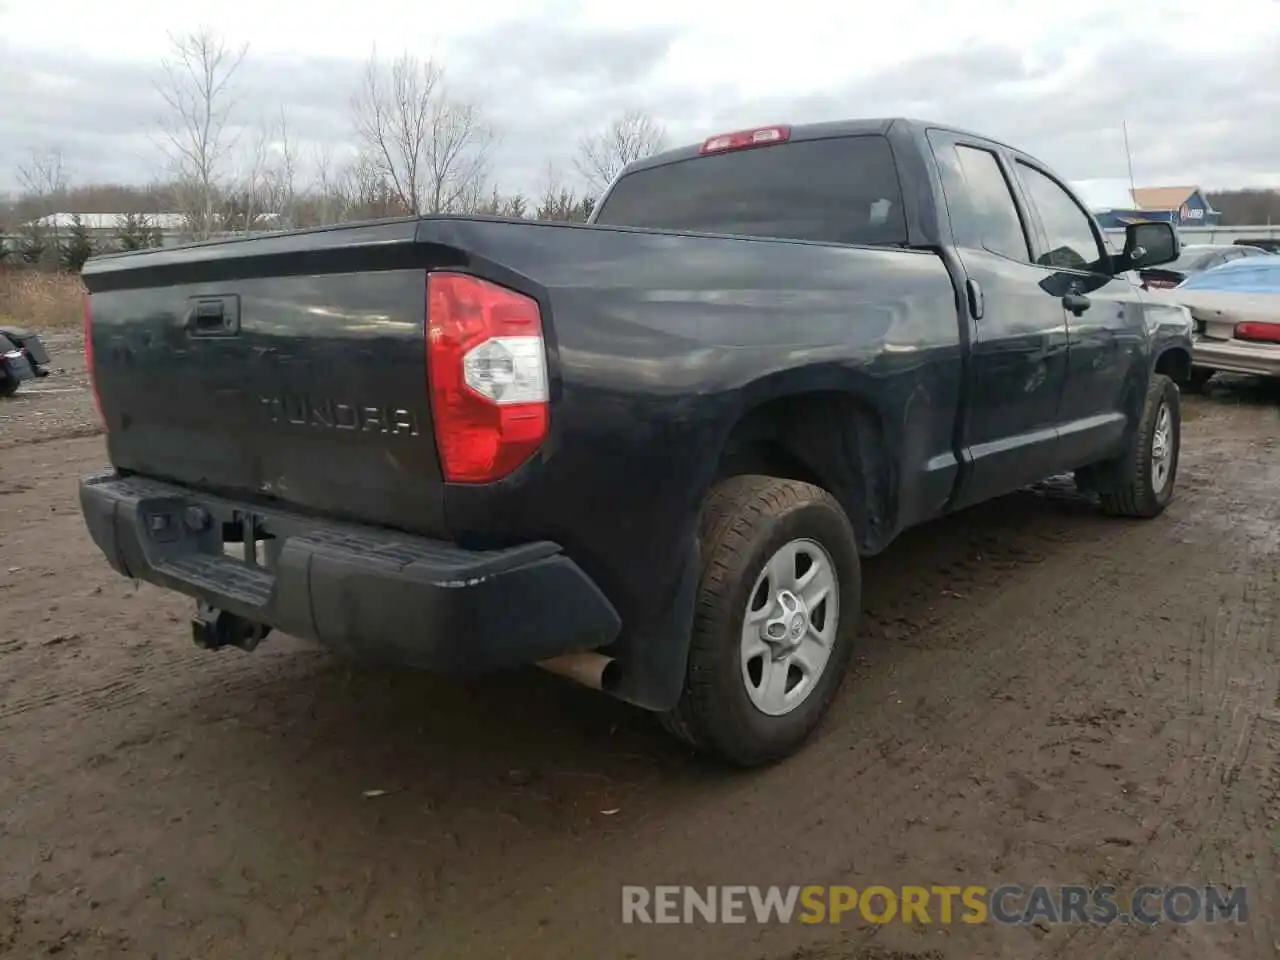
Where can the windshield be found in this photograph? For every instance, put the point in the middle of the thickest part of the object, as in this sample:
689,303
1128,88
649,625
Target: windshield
840,190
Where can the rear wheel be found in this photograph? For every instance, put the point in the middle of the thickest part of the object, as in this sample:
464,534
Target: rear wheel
775,618
8,386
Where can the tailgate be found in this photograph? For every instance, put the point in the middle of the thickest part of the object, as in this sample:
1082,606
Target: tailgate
289,368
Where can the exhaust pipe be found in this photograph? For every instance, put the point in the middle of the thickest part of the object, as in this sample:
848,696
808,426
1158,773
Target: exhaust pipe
590,669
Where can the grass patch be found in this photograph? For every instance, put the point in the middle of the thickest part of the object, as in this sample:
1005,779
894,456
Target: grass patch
41,301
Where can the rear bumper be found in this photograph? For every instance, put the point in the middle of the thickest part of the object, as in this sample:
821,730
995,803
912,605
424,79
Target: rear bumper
1237,356
363,591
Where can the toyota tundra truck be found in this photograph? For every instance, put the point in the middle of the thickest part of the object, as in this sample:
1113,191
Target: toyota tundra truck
648,452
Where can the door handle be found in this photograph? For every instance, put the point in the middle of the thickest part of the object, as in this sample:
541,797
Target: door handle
1077,303
977,305
209,314
214,316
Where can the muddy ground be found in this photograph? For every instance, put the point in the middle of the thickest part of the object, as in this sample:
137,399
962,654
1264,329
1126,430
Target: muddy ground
1041,695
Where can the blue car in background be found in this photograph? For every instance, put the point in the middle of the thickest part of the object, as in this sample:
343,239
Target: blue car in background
1194,259
1257,274
1236,308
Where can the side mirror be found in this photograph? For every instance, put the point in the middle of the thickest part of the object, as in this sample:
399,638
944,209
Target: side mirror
1148,245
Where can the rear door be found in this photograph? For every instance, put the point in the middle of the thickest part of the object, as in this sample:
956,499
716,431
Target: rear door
1106,379
1019,341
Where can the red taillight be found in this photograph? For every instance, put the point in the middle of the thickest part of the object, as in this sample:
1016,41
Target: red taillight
1155,284
1258,330
743,139
487,373
88,359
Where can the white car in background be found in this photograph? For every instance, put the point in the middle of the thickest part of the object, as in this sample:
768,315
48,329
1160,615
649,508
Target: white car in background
1236,309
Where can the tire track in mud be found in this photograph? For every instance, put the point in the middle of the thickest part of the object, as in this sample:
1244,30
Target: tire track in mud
1223,746
887,790
896,778
1142,547
1230,686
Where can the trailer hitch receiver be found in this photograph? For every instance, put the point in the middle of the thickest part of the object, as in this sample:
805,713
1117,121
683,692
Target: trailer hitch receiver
213,629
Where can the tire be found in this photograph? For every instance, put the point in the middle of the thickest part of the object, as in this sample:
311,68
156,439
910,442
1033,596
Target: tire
746,522
8,387
1151,488
1198,380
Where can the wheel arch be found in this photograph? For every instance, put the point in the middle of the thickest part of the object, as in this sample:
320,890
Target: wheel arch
833,439
1175,363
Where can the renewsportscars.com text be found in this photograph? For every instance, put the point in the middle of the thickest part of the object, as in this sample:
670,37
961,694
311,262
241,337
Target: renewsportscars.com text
1011,904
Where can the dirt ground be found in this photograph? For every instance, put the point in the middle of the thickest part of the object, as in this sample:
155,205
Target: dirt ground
1042,695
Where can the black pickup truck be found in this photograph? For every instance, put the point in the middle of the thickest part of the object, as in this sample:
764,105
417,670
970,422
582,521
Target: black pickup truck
646,452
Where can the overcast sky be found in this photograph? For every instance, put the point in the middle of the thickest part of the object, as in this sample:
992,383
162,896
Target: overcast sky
1197,81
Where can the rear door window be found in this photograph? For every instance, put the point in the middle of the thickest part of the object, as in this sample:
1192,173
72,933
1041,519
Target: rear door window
980,203
838,190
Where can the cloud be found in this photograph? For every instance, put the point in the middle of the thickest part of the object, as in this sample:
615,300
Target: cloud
1191,117
1198,100
100,114
544,87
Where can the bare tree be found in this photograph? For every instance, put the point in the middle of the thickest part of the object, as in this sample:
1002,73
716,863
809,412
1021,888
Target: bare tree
431,150
323,186
560,202
282,174
499,204
43,180
43,175
457,157
243,207
266,190
197,84
8,216
331,195
365,192
602,155
1246,206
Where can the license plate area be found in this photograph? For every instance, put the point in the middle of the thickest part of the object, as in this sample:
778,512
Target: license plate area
246,540
178,526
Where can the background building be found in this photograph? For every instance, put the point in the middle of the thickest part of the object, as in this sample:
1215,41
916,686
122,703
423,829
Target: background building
1185,206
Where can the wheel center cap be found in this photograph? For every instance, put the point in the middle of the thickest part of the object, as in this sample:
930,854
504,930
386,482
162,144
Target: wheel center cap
785,630
796,630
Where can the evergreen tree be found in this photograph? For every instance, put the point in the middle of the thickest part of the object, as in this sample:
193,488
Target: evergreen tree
33,244
79,245
135,232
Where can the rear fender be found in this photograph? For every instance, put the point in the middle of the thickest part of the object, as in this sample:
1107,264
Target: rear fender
831,438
